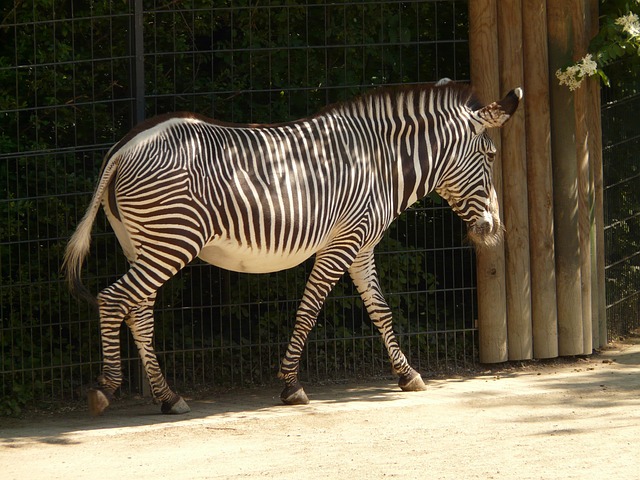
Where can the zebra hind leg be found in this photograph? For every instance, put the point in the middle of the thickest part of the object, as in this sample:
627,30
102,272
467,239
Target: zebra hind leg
101,395
140,322
364,276
130,298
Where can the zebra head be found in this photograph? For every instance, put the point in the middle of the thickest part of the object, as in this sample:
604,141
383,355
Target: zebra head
468,186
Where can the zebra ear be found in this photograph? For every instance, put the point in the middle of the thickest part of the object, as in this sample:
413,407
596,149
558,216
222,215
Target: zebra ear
443,81
496,114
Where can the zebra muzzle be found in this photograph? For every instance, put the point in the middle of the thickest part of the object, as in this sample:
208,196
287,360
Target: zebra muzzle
486,231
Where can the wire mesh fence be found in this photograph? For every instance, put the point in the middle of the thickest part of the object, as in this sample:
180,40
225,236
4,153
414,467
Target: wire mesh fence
75,77
621,144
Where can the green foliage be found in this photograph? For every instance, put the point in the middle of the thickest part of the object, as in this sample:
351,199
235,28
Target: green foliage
618,39
619,34
257,64
58,104
12,405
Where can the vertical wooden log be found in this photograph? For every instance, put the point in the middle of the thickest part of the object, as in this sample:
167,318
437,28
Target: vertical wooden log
599,300
599,305
492,316
540,180
581,101
565,185
514,184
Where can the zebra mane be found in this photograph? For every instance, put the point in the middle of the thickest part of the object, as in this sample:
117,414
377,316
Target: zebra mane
459,92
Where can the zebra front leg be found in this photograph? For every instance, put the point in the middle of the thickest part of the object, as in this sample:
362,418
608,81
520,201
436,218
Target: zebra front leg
293,393
327,270
140,322
364,276
306,318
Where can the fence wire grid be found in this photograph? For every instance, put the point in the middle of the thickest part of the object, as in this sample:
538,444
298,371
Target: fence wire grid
76,76
621,144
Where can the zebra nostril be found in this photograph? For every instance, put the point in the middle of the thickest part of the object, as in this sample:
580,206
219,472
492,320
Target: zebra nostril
483,225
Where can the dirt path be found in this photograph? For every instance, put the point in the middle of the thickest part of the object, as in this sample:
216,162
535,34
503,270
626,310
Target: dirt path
572,421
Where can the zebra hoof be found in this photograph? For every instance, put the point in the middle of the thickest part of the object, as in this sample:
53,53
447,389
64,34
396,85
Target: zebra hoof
98,401
294,396
412,383
177,408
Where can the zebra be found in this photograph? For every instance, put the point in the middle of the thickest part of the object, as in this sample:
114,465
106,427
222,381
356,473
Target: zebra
261,198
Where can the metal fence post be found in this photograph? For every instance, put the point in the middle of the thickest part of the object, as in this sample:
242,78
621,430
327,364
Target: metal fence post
138,45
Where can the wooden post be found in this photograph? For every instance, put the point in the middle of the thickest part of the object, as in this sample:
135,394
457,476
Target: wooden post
492,316
540,180
598,298
584,214
514,183
581,100
565,185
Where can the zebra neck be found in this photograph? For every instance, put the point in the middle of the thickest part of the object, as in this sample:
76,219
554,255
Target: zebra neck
424,151
414,135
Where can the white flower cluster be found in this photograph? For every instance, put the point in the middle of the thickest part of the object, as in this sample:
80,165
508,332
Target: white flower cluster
572,76
630,24
611,47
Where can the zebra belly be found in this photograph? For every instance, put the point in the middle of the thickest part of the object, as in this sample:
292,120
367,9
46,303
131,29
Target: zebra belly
239,258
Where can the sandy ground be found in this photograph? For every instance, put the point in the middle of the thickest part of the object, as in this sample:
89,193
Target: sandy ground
576,420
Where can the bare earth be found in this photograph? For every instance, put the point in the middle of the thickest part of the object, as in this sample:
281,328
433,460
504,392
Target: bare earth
565,420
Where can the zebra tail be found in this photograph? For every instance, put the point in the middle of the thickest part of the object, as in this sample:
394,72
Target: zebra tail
78,246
